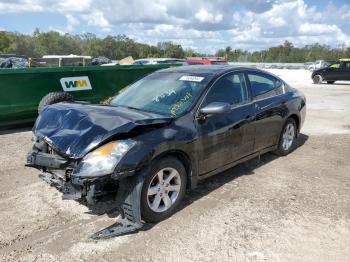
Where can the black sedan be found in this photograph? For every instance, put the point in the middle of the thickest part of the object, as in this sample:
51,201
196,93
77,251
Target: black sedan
339,71
163,134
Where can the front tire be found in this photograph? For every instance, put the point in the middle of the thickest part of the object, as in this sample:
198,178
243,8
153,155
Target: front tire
287,138
163,189
317,79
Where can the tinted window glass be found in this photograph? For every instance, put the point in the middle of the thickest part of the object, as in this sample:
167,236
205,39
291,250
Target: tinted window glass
228,89
264,86
336,65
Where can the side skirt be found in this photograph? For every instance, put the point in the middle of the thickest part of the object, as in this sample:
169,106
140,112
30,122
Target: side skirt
239,161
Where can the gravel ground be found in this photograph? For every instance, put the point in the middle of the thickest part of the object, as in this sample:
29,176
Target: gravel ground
293,208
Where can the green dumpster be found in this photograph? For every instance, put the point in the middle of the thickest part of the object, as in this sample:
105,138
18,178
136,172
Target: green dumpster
22,89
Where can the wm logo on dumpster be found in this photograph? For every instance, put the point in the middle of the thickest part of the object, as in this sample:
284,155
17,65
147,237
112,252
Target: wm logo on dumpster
75,83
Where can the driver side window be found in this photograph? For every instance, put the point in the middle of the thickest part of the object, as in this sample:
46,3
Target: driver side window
336,65
229,89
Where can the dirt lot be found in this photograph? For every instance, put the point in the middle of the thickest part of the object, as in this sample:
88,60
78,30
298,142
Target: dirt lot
294,208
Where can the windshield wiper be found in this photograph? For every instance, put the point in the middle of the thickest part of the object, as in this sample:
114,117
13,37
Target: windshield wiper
142,110
138,109
128,107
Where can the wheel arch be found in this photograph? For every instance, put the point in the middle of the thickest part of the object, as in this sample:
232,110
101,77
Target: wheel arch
296,118
185,159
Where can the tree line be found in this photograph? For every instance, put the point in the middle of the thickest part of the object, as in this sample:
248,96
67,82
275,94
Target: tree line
120,46
113,47
287,53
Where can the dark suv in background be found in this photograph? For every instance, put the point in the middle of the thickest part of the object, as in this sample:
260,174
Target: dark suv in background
338,71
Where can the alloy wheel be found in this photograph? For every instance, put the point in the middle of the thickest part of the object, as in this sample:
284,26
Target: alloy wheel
163,189
288,136
317,79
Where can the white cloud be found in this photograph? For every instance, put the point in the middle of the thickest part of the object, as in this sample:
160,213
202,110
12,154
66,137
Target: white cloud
17,7
178,32
205,17
20,6
96,18
293,21
74,5
72,22
317,29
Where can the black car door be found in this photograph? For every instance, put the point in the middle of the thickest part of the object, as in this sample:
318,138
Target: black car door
267,92
345,70
223,138
333,72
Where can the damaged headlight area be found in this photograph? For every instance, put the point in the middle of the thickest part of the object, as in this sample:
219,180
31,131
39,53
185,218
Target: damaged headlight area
103,160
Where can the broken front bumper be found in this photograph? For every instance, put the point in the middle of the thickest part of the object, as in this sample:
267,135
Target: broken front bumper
58,172
40,159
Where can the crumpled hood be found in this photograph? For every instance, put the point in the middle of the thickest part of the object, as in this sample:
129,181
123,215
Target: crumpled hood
75,129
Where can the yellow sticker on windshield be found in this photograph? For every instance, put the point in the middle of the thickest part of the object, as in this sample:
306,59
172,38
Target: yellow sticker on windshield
179,104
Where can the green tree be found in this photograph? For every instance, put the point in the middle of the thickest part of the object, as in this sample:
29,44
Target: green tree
120,46
4,41
168,49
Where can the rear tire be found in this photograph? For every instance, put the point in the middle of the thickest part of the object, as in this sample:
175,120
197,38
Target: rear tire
287,138
163,189
53,98
317,79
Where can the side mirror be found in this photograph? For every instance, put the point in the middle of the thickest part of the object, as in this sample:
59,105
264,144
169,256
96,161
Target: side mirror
215,108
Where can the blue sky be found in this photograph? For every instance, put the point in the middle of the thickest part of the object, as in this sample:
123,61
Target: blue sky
203,25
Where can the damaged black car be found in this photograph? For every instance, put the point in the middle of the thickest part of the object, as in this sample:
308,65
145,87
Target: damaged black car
161,135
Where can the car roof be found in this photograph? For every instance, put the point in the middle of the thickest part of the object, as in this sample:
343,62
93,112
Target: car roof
206,69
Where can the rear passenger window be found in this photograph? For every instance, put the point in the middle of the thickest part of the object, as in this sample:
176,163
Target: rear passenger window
264,86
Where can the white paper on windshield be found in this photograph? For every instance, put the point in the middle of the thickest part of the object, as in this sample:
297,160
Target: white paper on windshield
192,78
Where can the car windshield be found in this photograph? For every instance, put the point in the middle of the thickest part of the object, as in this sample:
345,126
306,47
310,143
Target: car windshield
165,93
